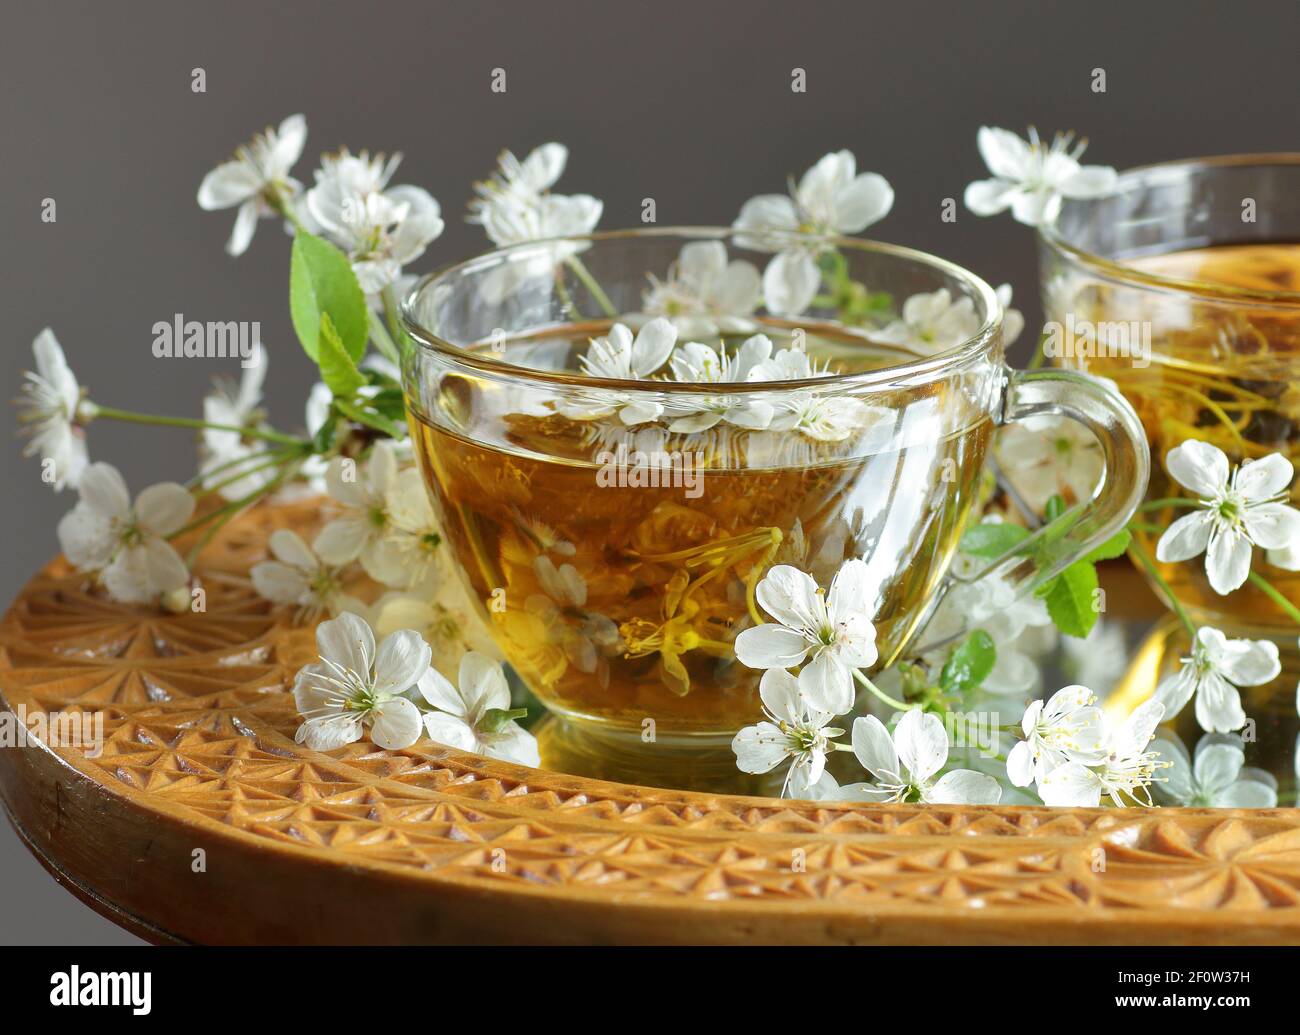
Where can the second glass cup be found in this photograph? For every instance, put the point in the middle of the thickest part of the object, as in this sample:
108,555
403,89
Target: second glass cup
613,486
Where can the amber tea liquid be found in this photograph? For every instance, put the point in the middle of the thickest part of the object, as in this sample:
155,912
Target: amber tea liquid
1228,374
617,594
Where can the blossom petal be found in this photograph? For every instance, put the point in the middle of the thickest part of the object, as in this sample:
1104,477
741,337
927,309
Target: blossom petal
865,200
1185,538
1273,526
280,583
989,197
450,730
827,684
853,591
290,138
1219,761
1006,154
437,689
397,724
1020,764
770,646
229,184
326,734
164,508
1090,181
922,744
1177,784
652,347
515,744
286,545
482,684
1264,478
964,787
241,234
342,540
1244,662
1176,690
402,659
760,748
1071,784
1198,466
874,748
767,211
1247,794
790,596
1218,705
779,691
348,642
103,491
790,282
1227,561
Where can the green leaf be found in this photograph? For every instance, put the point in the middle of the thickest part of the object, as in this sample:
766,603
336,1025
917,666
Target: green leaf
1115,546
321,282
1053,509
324,437
337,370
1071,600
992,539
371,419
970,663
390,403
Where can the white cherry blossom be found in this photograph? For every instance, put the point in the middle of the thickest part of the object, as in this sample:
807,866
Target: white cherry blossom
830,634
355,687
1238,510
695,363
831,198
1216,777
1044,457
125,544
1031,177
360,531
619,356
225,455
53,413
381,228
934,322
793,732
1126,770
257,180
1065,728
297,577
903,767
516,205
1216,668
475,714
704,295
407,554
447,620
815,414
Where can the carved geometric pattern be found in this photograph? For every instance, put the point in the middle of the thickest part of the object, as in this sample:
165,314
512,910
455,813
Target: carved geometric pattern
197,717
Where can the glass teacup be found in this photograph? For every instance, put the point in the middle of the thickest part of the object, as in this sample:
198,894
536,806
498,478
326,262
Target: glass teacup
615,529
1183,287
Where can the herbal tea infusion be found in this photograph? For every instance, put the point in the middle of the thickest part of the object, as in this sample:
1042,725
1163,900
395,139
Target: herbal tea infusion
620,564
615,489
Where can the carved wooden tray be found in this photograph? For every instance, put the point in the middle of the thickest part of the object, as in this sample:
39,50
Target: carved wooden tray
203,821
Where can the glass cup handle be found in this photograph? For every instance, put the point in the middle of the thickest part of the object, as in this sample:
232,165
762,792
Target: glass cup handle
1085,526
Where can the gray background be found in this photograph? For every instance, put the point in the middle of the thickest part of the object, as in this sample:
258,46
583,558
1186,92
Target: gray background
688,103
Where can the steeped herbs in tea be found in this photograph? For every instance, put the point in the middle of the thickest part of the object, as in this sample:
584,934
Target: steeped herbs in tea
617,556
1221,371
